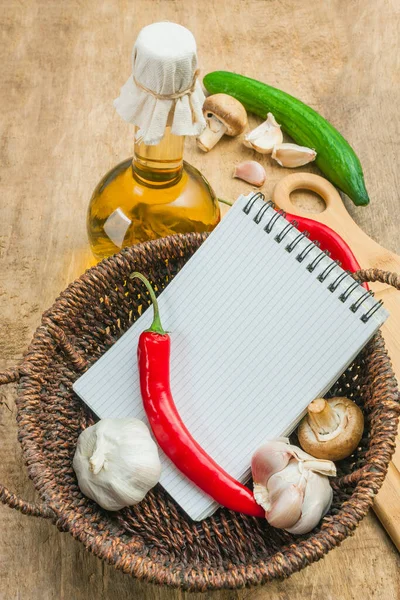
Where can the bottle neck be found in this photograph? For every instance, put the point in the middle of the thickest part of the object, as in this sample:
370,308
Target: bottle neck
160,165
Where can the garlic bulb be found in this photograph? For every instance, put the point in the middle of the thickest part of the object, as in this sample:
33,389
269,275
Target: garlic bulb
250,171
116,462
264,137
292,155
291,485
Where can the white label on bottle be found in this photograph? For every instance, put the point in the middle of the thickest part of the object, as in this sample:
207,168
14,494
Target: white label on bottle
116,227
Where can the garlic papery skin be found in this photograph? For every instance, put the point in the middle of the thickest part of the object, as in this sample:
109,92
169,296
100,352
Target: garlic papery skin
263,138
292,486
116,462
250,171
292,155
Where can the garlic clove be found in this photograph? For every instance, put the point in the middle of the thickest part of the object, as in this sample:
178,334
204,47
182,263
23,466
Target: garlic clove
270,458
286,501
264,137
316,503
292,155
250,171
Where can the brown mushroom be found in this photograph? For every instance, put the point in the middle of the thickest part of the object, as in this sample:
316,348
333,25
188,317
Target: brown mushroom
332,429
225,116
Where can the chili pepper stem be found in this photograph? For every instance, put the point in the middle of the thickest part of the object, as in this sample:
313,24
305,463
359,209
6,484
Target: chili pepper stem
225,202
156,326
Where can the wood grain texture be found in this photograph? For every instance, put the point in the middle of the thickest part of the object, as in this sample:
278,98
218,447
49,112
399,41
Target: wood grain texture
62,64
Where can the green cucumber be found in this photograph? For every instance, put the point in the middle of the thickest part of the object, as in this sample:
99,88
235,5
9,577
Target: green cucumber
335,157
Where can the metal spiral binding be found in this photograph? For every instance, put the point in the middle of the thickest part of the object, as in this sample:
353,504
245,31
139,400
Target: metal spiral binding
333,286
365,318
285,231
306,251
322,276
251,202
315,262
343,297
356,305
263,209
273,220
290,247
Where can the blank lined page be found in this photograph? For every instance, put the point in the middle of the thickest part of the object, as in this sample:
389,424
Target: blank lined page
255,337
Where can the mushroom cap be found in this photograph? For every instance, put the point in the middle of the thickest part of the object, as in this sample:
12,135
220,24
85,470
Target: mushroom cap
342,441
228,110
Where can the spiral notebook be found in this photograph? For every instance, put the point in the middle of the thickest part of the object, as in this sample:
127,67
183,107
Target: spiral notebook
261,323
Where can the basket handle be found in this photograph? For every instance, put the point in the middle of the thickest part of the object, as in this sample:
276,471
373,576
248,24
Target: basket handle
34,509
372,275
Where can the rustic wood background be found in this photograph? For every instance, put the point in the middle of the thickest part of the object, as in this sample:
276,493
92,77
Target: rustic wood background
62,64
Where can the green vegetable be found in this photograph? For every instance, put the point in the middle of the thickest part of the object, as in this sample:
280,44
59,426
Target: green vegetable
335,157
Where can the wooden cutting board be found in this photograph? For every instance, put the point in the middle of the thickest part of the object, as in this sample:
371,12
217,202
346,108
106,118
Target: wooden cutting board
370,255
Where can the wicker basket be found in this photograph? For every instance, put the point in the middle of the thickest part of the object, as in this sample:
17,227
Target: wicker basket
155,541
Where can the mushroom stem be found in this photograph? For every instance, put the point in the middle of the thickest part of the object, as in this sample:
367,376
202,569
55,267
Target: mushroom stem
210,137
321,417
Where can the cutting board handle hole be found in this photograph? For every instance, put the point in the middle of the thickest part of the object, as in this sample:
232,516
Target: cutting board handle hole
308,201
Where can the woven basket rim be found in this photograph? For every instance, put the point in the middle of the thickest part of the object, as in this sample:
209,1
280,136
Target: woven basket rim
145,567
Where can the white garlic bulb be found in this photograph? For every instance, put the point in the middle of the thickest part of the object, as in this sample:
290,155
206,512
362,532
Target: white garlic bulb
292,486
116,462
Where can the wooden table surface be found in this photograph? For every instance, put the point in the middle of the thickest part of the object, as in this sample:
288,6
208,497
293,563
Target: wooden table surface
62,64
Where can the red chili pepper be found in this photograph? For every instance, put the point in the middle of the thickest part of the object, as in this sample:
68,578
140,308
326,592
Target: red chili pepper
170,431
329,240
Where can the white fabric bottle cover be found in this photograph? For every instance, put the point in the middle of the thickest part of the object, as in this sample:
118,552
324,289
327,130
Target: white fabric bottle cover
163,81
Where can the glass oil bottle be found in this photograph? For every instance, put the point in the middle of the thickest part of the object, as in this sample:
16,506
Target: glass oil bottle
157,193
153,195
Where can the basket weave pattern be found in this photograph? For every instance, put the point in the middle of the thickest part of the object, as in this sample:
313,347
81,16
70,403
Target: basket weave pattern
154,540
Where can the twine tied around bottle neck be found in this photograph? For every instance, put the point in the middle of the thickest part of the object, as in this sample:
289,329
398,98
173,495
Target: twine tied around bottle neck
175,96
